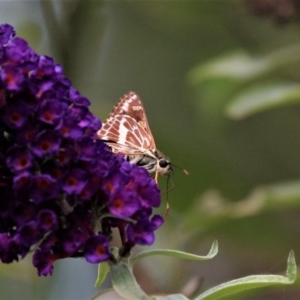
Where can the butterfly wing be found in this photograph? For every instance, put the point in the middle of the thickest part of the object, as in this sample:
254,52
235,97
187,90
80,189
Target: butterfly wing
131,105
125,135
127,129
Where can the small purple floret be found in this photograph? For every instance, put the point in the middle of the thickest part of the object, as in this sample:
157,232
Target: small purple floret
97,249
143,232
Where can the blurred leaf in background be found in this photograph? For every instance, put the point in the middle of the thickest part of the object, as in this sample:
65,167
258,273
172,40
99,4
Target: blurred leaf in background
220,84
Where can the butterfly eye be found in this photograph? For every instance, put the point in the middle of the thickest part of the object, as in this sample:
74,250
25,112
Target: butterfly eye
163,163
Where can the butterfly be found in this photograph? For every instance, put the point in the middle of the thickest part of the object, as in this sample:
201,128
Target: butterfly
127,131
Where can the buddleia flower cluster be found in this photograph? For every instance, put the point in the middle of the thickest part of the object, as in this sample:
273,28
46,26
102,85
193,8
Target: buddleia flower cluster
61,191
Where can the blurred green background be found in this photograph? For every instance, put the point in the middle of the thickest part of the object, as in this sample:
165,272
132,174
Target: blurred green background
220,84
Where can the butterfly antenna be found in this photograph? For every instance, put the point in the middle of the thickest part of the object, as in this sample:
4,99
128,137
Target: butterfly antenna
186,172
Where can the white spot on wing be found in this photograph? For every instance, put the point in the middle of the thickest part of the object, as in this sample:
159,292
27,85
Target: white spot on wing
122,132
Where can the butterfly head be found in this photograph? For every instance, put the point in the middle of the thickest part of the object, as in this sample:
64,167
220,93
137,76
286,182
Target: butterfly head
164,166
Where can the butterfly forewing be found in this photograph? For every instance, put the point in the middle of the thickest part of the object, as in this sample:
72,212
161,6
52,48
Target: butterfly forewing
125,131
131,105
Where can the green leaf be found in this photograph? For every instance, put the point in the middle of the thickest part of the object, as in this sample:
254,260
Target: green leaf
252,282
171,297
238,66
242,67
179,254
103,269
261,98
212,208
125,284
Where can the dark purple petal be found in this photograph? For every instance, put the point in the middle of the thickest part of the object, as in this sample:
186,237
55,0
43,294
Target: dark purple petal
43,261
19,159
143,232
47,220
24,212
28,234
51,111
97,249
139,235
147,188
28,133
15,115
123,204
7,251
142,214
73,240
90,189
52,168
12,78
85,147
45,187
116,182
7,32
46,66
75,181
156,222
69,128
93,124
41,87
77,98
17,51
65,155
78,113
23,181
46,143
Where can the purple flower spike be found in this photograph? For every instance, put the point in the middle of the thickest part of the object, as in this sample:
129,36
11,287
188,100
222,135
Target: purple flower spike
61,190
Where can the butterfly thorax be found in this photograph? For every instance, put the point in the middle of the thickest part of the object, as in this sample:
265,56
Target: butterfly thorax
153,161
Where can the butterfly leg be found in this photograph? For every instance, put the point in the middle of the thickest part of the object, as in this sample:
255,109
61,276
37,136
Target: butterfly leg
156,177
